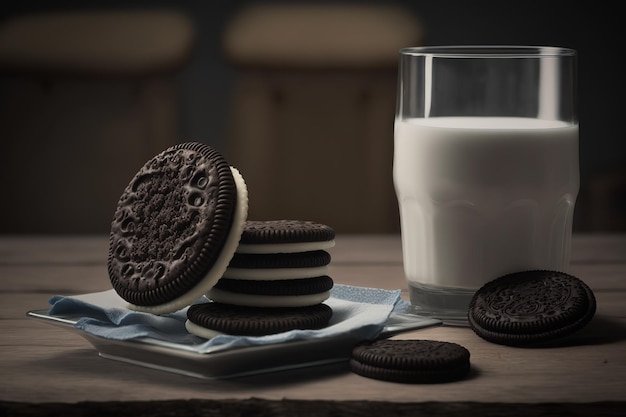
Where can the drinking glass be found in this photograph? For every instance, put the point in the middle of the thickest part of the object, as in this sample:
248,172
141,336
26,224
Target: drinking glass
485,167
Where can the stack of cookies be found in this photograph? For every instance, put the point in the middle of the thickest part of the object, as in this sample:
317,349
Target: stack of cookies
279,270
278,263
180,232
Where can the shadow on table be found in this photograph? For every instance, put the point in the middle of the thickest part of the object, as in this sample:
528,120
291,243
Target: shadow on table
601,330
85,363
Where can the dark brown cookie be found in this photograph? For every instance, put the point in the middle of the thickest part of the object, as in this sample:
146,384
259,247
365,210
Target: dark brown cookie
255,321
411,361
301,286
179,218
530,307
278,263
282,236
309,259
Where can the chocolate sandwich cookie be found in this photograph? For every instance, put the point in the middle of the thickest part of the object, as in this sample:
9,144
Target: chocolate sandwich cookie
278,266
410,361
530,307
267,300
301,286
307,259
283,236
272,293
175,228
287,260
210,319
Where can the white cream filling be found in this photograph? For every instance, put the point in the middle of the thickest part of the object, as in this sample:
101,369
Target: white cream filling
275,274
220,265
254,300
284,247
198,330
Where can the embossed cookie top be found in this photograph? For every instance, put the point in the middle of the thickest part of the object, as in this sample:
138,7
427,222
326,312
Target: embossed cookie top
531,306
170,224
411,360
285,231
285,236
410,354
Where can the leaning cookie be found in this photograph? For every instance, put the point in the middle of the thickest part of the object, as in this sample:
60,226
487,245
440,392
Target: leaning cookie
175,228
211,319
530,307
410,361
284,236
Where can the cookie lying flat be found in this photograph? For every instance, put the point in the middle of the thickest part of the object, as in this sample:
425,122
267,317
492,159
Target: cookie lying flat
273,301
300,286
410,361
272,293
283,236
176,227
280,292
208,320
530,307
278,266
278,263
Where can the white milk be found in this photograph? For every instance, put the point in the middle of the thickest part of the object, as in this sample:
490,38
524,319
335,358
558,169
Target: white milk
482,197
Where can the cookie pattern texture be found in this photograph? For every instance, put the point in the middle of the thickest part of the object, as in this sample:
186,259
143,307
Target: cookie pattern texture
411,354
411,361
531,306
171,223
258,321
285,231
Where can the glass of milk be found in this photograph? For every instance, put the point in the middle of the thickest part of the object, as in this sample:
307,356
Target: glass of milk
485,167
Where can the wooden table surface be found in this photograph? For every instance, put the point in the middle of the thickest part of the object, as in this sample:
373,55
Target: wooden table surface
41,363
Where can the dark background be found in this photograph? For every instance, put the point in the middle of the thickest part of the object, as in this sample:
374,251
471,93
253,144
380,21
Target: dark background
593,30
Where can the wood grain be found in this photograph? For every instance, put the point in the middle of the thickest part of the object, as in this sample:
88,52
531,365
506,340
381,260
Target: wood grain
44,364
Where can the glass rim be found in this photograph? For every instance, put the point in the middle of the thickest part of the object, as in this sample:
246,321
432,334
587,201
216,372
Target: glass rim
487,51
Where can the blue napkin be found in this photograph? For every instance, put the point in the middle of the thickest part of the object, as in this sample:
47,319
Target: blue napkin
358,312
